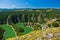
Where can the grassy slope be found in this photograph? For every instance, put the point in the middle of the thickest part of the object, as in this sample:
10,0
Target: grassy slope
8,31
27,29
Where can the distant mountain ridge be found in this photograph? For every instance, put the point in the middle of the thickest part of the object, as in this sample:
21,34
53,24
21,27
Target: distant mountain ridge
7,9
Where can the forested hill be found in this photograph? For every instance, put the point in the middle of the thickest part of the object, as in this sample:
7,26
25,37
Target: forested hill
30,15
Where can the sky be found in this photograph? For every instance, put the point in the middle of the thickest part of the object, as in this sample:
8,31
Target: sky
29,3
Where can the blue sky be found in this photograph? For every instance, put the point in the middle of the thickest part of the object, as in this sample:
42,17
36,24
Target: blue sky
29,3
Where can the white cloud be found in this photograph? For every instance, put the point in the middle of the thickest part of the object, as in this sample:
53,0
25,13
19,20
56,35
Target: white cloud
13,6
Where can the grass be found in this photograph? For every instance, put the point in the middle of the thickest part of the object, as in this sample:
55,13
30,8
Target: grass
26,29
8,31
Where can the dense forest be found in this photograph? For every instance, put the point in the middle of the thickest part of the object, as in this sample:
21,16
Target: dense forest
38,16
28,17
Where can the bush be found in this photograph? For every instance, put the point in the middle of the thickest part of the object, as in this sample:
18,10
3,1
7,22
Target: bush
55,24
